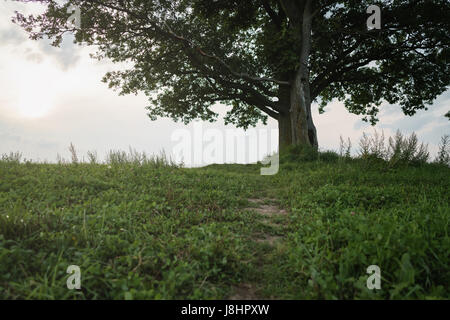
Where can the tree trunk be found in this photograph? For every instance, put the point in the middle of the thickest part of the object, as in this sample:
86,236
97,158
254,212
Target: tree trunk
302,129
305,131
284,132
299,111
284,120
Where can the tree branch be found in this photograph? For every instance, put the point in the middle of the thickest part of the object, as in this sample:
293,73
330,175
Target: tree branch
276,19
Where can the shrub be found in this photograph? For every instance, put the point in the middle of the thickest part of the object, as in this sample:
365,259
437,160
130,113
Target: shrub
299,153
73,153
364,146
406,150
116,157
443,156
395,147
13,157
329,156
92,156
377,146
400,149
372,147
345,148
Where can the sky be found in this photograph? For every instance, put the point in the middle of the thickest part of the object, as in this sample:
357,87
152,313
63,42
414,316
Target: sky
51,97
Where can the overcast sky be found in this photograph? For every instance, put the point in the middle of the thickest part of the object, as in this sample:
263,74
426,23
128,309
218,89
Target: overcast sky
50,97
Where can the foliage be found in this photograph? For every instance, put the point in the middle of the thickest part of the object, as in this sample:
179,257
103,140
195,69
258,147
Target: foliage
299,153
400,150
92,157
117,157
188,55
330,156
443,156
73,153
14,157
373,149
345,148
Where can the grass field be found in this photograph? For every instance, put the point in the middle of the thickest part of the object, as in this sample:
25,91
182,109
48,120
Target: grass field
224,231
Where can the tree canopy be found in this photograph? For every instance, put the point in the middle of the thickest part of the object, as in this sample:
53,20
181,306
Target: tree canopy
188,55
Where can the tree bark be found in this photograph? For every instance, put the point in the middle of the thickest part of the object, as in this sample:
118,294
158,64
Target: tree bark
284,132
302,128
306,130
284,120
299,111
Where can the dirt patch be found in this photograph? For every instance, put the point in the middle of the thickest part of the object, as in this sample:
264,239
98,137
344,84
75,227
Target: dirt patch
244,291
256,201
270,240
268,210
261,201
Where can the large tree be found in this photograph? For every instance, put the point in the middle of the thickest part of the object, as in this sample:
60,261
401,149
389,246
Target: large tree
264,57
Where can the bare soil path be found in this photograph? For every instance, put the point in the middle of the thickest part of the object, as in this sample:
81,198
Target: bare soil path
270,212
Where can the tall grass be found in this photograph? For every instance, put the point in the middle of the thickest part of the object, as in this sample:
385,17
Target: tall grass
394,151
113,158
443,156
117,157
14,157
399,150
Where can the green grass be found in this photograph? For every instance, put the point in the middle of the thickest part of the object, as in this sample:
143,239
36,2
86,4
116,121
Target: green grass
161,232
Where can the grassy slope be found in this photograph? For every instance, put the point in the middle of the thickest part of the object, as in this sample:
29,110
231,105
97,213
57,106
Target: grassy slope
165,233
